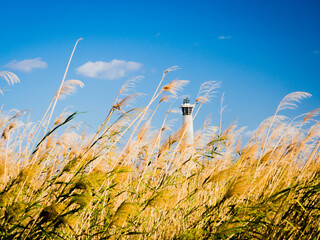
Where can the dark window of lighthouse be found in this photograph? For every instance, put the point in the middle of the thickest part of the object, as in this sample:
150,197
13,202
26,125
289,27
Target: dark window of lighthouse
186,110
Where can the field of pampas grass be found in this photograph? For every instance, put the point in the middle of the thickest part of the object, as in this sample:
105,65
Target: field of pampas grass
128,182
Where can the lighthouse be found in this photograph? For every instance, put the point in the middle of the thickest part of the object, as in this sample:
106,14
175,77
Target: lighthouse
187,121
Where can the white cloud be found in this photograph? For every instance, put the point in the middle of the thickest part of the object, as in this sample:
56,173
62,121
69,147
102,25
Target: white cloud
108,70
224,37
27,65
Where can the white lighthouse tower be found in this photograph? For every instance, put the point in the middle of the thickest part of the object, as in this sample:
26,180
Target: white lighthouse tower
187,121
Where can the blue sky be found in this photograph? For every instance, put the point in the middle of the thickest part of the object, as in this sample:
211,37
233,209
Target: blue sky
259,50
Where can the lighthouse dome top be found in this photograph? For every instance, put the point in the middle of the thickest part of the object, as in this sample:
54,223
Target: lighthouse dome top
186,103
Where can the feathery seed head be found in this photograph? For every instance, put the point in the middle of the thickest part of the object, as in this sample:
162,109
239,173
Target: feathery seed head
14,211
10,77
69,87
29,173
167,98
51,212
173,68
124,211
126,101
174,86
129,85
207,91
289,101
82,199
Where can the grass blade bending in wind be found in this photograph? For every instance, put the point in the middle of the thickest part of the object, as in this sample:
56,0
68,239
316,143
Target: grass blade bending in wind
68,119
62,82
54,100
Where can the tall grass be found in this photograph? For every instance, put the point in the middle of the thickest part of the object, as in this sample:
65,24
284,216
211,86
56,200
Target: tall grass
128,182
